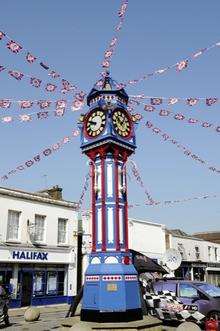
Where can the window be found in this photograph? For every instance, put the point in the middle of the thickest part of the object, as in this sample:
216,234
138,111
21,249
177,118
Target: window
216,253
181,250
210,289
187,291
62,230
13,225
209,253
52,282
197,252
39,228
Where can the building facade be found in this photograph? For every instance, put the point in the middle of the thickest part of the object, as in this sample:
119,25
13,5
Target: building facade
200,258
145,237
38,248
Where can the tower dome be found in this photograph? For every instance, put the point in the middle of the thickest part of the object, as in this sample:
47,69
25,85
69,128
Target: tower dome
107,85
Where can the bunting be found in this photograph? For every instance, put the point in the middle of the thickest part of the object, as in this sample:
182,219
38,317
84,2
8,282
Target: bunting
17,48
139,180
182,117
36,82
156,101
84,190
179,66
166,203
76,104
114,41
40,156
185,150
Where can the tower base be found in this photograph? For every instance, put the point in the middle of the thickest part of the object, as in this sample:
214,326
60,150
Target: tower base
108,317
111,290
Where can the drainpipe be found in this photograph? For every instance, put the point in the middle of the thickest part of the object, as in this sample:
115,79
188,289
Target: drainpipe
79,254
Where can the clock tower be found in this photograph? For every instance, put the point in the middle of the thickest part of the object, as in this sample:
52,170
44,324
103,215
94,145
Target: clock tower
111,289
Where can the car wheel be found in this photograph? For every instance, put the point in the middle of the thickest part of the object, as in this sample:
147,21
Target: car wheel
214,314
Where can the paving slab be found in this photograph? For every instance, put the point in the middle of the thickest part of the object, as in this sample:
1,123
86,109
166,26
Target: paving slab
148,323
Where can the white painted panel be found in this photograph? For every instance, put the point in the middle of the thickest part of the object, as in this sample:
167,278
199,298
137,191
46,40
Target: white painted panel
121,227
119,181
99,181
109,181
99,226
110,226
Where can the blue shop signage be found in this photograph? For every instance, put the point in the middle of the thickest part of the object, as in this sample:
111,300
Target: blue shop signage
29,255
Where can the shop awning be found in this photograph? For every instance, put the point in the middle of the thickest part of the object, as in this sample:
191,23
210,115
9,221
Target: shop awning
143,263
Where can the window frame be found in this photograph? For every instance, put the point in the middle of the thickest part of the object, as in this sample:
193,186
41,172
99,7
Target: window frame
18,239
66,232
43,241
188,297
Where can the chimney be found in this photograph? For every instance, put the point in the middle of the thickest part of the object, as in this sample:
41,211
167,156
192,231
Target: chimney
55,192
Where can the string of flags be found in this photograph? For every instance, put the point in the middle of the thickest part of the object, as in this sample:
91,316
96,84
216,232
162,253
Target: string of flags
181,117
42,115
185,150
84,190
172,202
40,156
179,66
151,202
17,48
136,174
190,101
76,104
113,43
38,83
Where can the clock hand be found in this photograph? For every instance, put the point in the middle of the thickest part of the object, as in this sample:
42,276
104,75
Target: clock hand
92,122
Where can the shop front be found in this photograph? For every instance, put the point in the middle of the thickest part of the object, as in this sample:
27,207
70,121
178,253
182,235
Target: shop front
38,277
213,273
191,271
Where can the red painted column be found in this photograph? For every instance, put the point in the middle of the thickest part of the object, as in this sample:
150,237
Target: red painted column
117,229
126,202
102,156
93,194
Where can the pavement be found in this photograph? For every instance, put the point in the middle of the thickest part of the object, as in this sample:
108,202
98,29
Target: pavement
47,321
50,319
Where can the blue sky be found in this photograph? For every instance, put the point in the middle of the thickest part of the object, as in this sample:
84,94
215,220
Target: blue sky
71,36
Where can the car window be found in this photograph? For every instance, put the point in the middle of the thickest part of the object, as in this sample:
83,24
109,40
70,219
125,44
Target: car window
210,289
166,286
187,291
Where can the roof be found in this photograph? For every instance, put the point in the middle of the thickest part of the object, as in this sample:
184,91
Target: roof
146,222
107,85
181,234
39,197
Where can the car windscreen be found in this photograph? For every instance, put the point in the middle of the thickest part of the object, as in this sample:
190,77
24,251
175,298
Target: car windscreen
212,290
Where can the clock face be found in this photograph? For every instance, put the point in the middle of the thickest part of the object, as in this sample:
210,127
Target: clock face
122,123
95,123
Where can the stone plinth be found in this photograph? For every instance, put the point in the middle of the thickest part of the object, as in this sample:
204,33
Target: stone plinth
148,323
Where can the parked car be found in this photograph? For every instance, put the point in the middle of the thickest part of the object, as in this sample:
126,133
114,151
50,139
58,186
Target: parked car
196,296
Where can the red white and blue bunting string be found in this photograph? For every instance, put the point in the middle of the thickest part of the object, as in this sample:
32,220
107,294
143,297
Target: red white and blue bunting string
179,66
136,174
76,104
166,203
182,117
40,156
190,101
36,82
84,190
185,150
17,48
106,63
26,118
151,202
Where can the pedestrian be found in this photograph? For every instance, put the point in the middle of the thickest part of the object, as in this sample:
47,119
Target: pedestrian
4,302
